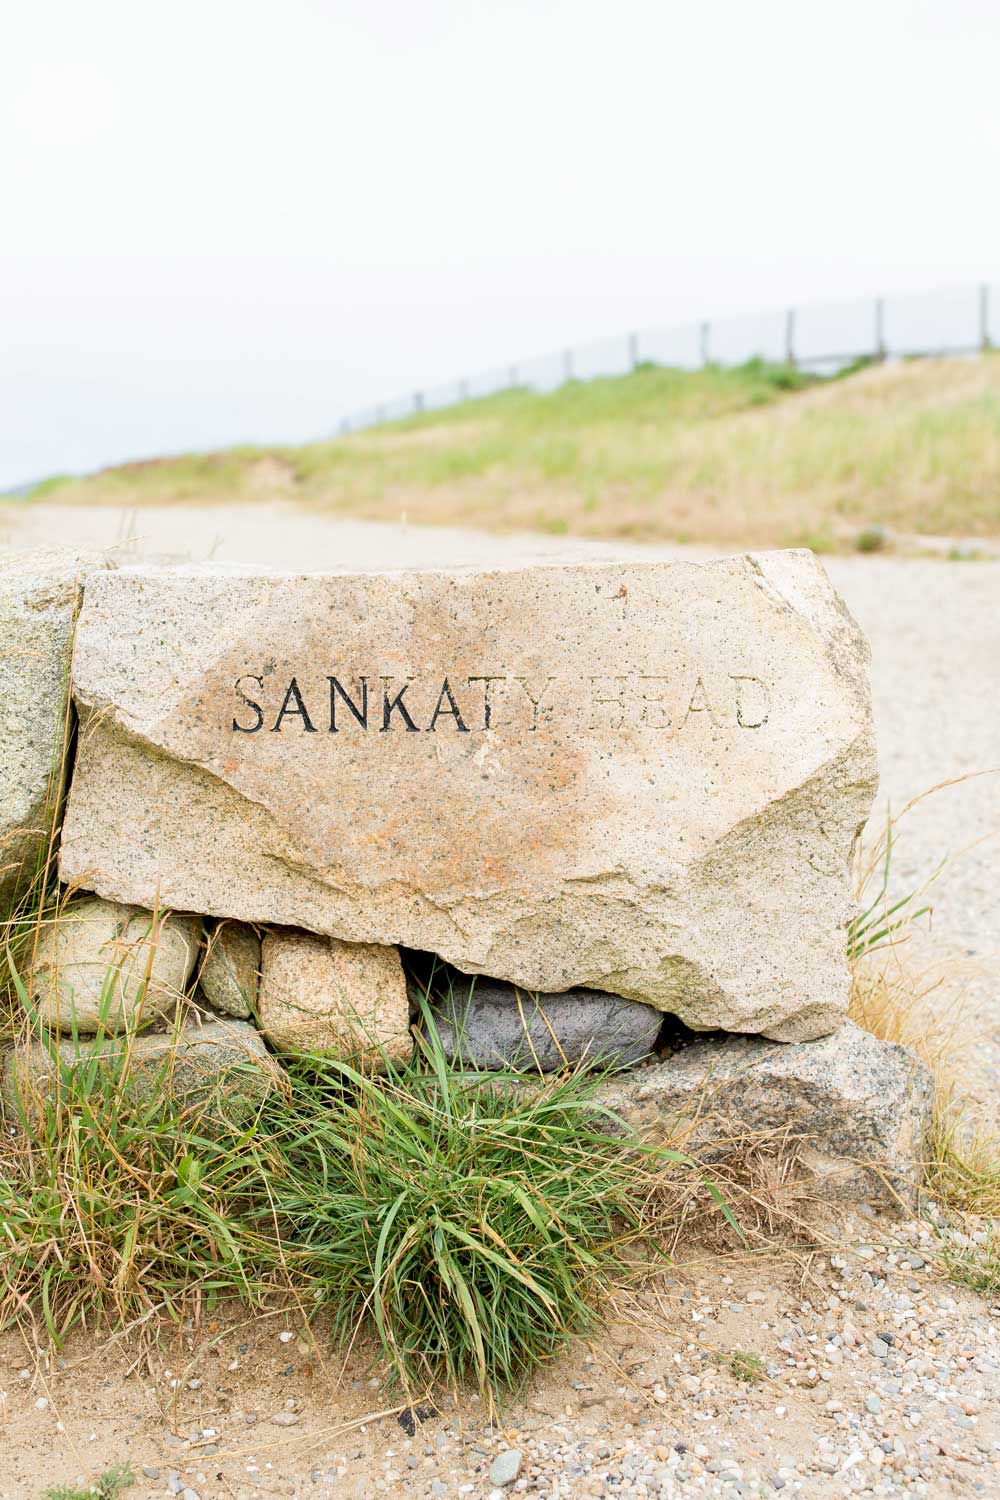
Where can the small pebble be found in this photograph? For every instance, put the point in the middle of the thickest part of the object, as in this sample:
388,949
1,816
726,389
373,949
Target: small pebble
506,1467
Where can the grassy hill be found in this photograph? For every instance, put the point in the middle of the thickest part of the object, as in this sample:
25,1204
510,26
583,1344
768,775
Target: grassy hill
758,455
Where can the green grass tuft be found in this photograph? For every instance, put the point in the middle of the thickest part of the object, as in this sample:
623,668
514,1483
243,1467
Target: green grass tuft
871,539
477,1222
115,1207
963,1159
106,1487
975,1264
473,1223
746,1367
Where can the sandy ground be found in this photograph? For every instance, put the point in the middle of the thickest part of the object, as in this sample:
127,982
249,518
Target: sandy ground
874,1378
831,1417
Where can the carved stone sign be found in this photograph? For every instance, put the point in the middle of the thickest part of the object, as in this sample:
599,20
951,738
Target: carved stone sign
644,779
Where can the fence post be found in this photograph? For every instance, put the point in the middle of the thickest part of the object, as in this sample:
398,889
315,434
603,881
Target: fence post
463,389
568,364
345,426
703,335
633,351
512,376
984,317
790,336
880,328
418,400
379,414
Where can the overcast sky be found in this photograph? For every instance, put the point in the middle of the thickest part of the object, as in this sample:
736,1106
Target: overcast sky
237,219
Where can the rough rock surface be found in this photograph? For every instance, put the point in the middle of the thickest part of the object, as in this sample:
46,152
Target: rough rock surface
39,595
483,1024
105,966
643,779
228,1056
345,1000
858,1107
230,969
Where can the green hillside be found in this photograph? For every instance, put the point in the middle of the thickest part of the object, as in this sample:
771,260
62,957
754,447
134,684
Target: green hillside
760,454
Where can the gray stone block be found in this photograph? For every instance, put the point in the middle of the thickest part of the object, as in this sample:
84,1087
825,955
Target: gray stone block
226,1058
857,1109
40,592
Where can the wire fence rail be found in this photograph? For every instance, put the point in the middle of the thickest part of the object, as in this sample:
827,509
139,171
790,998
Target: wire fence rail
823,338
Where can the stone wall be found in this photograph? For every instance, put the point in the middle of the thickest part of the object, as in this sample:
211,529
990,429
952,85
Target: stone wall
644,780
593,796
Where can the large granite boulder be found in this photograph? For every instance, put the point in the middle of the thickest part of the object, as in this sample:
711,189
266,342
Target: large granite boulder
100,966
482,1024
644,779
853,1109
40,592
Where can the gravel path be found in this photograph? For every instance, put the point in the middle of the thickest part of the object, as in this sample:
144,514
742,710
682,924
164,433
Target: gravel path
860,1373
934,629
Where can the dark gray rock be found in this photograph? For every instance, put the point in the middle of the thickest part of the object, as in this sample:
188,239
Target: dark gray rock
855,1109
485,1024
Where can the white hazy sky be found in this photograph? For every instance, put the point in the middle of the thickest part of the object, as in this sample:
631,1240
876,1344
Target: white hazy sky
235,220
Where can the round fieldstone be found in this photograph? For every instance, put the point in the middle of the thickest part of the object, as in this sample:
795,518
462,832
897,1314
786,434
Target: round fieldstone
100,966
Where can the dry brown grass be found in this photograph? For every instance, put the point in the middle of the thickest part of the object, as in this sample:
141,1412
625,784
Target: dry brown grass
906,991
